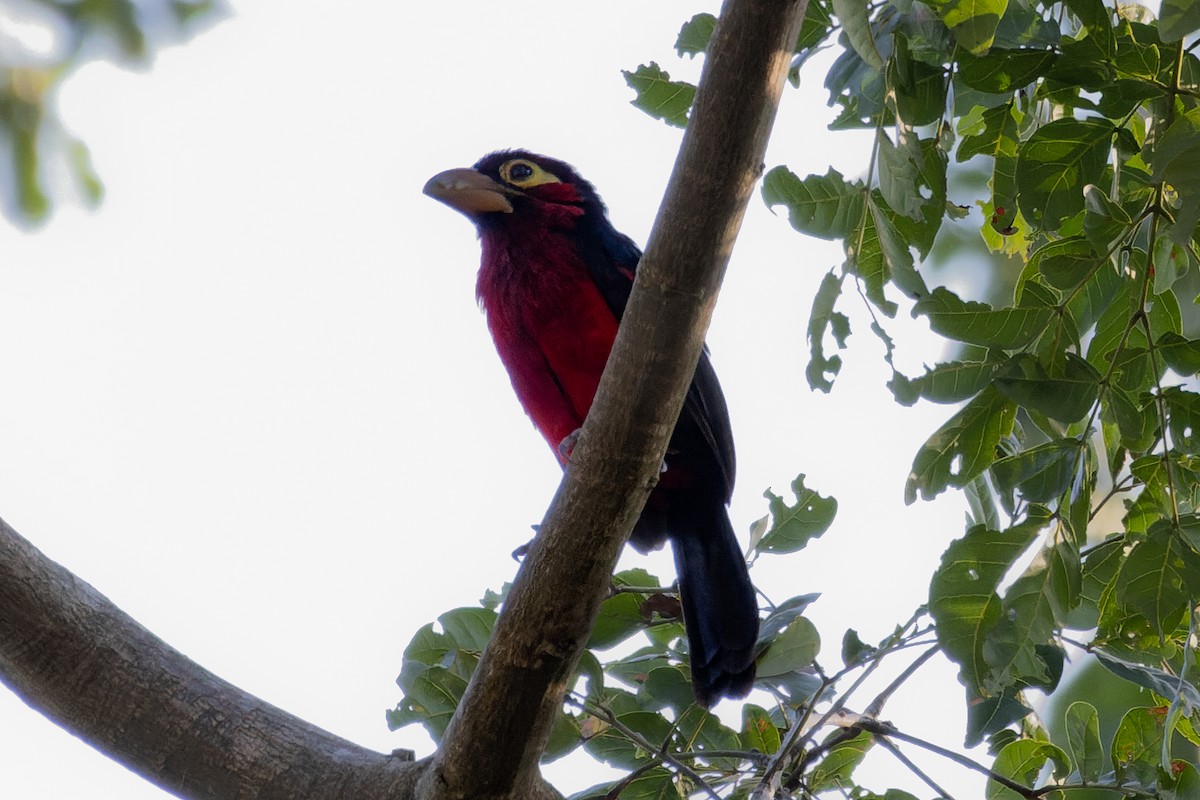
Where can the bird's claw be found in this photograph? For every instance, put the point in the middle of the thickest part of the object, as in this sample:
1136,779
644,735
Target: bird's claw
567,445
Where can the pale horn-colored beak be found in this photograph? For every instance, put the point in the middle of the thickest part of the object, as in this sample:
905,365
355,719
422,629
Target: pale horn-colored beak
469,192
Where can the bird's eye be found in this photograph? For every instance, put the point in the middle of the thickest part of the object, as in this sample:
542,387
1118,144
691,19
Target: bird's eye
519,172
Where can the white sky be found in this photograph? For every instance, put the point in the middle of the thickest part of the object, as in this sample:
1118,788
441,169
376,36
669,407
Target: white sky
252,399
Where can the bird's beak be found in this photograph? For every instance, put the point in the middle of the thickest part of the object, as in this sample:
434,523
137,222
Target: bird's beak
469,191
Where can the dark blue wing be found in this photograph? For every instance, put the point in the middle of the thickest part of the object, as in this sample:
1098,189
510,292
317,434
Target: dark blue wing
612,259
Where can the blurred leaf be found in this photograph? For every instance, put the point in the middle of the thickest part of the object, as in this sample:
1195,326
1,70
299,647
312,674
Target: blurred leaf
1177,19
1083,735
973,22
857,27
1156,680
1002,71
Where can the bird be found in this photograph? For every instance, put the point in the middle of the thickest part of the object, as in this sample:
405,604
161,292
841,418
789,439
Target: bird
553,282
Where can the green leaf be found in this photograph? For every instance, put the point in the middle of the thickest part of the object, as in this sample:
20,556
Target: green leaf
962,596
825,206
954,381
695,34
973,22
898,171
1178,18
1159,580
794,648
1067,396
1184,418
612,747
822,369
1040,473
1136,746
657,783
794,526
666,687
836,769
1161,682
1022,761
619,618
996,136
1083,736
1181,355
857,26
989,715
1104,221
1034,606
565,736
1066,263
470,628
979,323
1056,163
758,731
1004,71
962,448
659,96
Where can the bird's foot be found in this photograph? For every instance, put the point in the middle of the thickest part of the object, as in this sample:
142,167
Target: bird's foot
523,550
567,445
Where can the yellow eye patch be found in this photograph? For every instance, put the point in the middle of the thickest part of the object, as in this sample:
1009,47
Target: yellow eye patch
523,174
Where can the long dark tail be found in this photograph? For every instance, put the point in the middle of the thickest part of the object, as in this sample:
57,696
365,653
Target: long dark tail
720,610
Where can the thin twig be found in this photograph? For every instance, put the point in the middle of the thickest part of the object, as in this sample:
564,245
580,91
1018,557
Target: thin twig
888,745
660,752
876,707
886,729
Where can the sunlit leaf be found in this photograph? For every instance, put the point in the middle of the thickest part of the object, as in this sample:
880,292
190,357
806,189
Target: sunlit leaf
1056,163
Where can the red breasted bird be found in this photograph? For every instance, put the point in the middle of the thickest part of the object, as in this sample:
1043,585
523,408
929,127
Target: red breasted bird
554,280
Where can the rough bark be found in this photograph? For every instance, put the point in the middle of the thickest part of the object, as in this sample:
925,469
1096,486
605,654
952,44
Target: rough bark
495,739
68,652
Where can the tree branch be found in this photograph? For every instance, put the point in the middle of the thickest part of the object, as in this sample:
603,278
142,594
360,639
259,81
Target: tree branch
68,652
496,737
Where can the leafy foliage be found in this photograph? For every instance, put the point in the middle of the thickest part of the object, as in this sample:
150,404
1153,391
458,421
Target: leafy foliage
31,134
1075,380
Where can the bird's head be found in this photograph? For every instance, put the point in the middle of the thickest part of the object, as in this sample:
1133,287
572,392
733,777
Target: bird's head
512,185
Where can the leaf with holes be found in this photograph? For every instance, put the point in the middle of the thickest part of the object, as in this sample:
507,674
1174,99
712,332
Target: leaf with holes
1056,163
794,525
827,205
963,599
659,96
962,448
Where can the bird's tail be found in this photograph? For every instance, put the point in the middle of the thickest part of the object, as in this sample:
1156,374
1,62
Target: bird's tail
720,610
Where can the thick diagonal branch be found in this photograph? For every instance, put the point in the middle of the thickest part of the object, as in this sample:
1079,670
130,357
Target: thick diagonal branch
495,739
